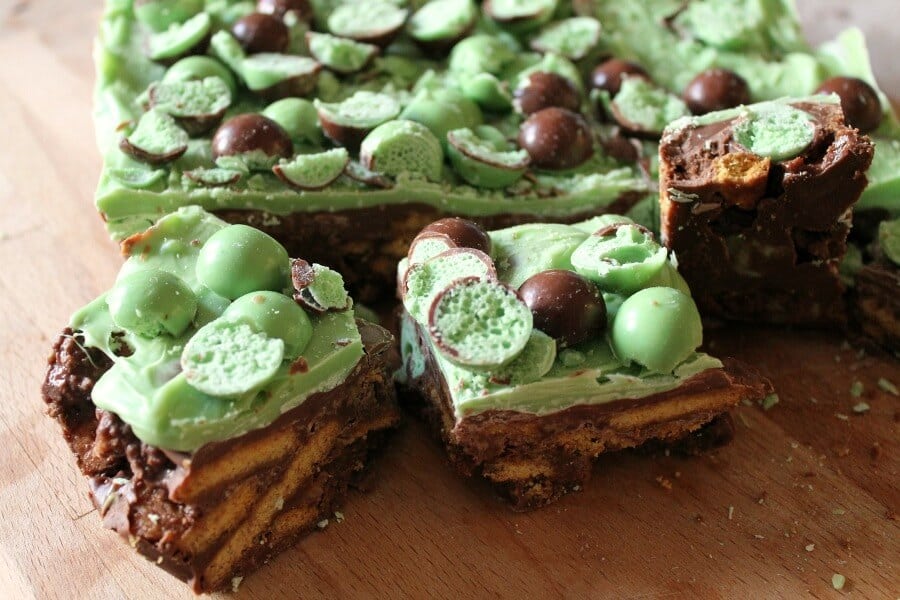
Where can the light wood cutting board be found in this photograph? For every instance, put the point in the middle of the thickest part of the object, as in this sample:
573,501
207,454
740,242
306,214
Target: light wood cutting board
808,488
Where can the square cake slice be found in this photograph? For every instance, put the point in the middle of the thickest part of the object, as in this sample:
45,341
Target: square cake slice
219,403
756,204
532,350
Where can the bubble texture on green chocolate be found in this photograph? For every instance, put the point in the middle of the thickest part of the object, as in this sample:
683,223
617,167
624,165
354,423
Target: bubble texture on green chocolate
191,68
314,171
195,97
362,110
351,20
298,117
480,163
227,358
726,24
425,280
427,247
658,328
339,54
239,259
275,315
481,53
157,133
480,323
572,38
622,261
159,15
442,20
402,146
151,302
520,16
649,107
180,37
327,289
532,363
776,131
263,70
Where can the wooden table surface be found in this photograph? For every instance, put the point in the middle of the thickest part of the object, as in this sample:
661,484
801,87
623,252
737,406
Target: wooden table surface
808,489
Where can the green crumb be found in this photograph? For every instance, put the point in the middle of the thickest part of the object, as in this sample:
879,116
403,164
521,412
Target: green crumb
770,401
838,581
886,385
861,407
857,389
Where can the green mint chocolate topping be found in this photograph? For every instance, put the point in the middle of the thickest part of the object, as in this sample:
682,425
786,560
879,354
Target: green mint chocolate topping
573,38
485,162
776,131
479,323
228,358
313,171
402,146
657,328
442,112
239,259
188,365
889,239
339,54
180,37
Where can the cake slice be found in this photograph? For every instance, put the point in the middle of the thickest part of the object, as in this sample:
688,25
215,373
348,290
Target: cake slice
756,203
532,350
220,398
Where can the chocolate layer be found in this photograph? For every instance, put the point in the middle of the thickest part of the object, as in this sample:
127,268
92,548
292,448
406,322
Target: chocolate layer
876,303
221,511
366,244
534,459
761,240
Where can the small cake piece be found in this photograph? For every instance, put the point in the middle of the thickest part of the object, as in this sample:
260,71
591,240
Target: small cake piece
756,203
876,289
217,419
531,350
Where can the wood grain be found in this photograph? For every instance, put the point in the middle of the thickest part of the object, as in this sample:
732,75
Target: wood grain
801,494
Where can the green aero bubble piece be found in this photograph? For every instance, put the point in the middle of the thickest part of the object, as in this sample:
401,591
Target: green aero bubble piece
487,91
193,68
298,117
227,49
339,54
152,302
595,224
571,38
646,107
622,260
227,358
521,16
402,146
532,363
424,280
379,18
264,70
481,53
658,328
440,20
179,37
313,171
159,15
275,315
552,63
479,323
481,163
776,131
191,98
157,138
326,291
362,110
728,25
442,112
239,259
889,239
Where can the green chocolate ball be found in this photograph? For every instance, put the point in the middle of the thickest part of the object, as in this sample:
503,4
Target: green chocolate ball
196,68
442,112
275,315
152,302
658,328
239,259
298,117
158,15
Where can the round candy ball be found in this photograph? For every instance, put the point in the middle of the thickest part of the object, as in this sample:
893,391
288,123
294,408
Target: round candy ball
565,305
239,259
859,101
258,32
197,67
657,327
556,138
716,89
463,233
608,74
275,315
152,302
251,133
543,89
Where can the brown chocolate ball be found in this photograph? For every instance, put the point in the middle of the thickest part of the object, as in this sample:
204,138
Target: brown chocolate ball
556,138
543,89
859,100
716,89
463,233
608,75
258,32
279,8
565,305
249,132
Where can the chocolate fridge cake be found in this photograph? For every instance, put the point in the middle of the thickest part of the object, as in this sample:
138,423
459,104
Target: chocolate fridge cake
531,350
875,287
756,203
220,398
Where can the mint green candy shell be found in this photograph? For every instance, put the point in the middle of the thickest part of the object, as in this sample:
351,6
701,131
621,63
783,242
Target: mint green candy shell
151,302
276,316
239,259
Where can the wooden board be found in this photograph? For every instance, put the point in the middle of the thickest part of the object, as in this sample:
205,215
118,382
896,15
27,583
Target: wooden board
808,489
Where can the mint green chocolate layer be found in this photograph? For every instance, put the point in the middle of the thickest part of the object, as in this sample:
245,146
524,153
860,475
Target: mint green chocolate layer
645,342
206,340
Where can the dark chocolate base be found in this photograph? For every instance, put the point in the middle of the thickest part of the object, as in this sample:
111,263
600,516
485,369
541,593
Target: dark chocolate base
213,516
366,244
876,304
533,460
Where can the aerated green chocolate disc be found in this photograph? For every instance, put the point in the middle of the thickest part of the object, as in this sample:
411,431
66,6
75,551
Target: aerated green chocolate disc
572,38
313,171
621,258
480,162
156,139
339,54
180,37
402,146
776,131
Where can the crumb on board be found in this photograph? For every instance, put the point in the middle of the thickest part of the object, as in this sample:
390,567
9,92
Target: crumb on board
886,385
338,516
838,581
322,524
857,389
842,416
838,511
861,407
810,547
730,512
236,583
664,483
769,401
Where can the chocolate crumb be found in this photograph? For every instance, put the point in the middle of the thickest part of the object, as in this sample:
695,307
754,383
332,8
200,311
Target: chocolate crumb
299,366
